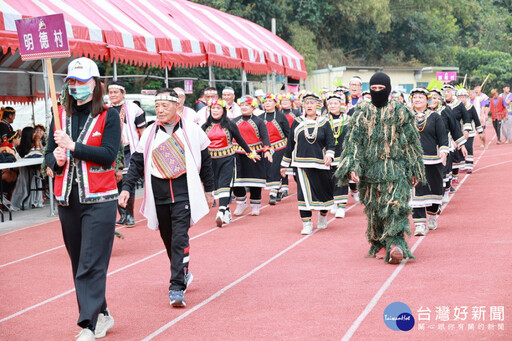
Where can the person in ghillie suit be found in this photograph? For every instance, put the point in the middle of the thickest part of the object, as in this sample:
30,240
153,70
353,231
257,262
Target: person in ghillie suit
383,153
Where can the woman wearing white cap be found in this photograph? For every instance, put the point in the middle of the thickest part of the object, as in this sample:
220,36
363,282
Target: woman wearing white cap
82,157
310,150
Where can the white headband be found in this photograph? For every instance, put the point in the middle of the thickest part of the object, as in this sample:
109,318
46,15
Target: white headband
179,92
167,98
357,79
115,86
210,92
228,91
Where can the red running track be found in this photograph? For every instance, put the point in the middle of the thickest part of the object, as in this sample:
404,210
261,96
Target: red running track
259,279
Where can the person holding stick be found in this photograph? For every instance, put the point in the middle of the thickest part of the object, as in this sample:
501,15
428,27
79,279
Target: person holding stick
82,157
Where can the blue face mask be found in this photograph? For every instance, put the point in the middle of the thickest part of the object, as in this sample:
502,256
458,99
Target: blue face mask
80,92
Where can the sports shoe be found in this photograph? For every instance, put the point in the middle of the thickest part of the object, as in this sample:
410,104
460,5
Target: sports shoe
284,193
272,200
85,335
395,255
227,217
340,212
240,208
219,218
188,280
279,196
452,189
432,222
255,209
177,298
420,230
355,195
307,227
334,208
322,222
455,181
104,323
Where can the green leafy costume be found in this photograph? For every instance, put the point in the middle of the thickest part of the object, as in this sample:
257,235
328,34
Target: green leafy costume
383,148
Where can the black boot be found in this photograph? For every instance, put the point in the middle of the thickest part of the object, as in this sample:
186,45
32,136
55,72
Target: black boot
130,221
122,214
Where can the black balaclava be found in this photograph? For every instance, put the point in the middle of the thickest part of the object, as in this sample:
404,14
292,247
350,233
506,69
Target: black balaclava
380,98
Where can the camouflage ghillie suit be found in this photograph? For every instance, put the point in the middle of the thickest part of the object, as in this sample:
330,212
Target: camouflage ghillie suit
383,148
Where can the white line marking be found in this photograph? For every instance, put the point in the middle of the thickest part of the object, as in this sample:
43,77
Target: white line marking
232,284
373,302
49,250
110,273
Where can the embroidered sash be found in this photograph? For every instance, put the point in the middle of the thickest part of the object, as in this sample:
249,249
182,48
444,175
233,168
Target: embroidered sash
169,158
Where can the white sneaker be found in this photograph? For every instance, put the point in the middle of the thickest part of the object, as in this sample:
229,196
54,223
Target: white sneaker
219,219
240,208
104,323
432,222
355,195
307,228
255,209
446,197
340,212
86,335
322,222
334,208
227,217
420,230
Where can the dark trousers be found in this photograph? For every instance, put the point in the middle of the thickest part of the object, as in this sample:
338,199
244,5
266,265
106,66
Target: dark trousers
497,127
173,223
88,231
421,212
240,192
309,214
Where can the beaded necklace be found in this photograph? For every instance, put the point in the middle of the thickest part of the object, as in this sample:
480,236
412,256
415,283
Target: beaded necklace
336,133
313,135
421,119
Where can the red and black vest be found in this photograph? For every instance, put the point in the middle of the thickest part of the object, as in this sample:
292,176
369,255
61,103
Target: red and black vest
96,183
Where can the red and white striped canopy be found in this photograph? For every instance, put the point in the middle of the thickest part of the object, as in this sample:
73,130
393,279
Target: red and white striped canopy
158,33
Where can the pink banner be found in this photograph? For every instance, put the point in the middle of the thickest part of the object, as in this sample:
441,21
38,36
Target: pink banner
446,76
189,86
43,37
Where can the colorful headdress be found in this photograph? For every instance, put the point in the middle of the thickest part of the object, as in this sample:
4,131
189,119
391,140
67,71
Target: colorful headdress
420,91
253,102
461,91
311,96
335,96
40,126
435,86
288,95
272,97
6,110
216,101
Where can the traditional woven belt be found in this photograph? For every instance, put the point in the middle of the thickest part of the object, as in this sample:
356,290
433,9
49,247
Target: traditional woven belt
279,144
222,152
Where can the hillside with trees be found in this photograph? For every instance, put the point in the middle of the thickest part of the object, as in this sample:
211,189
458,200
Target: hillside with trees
471,34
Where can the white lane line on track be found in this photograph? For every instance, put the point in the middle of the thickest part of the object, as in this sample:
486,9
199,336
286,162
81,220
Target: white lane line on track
373,302
117,228
232,284
49,250
51,299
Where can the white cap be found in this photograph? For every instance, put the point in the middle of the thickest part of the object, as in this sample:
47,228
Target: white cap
259,93
82,69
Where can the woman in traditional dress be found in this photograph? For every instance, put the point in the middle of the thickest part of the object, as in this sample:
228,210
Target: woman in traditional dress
221,132
278,129
338,120
427,196
310,151
248,173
